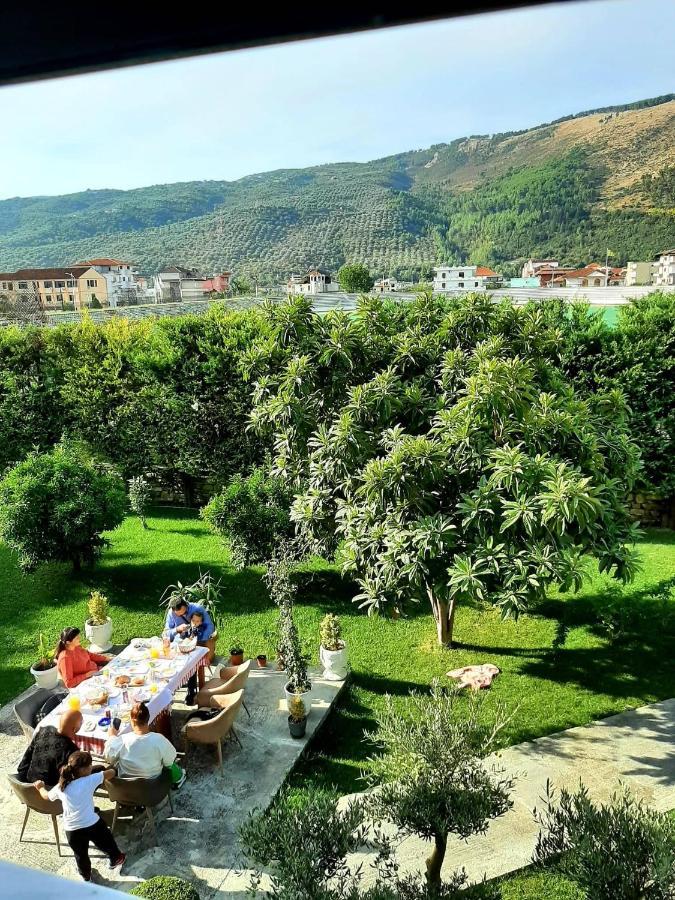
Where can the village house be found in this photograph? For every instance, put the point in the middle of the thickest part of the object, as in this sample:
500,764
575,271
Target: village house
665,273
592,275
641,273
386,286
464,278
77,286
316,281
120,277
176,283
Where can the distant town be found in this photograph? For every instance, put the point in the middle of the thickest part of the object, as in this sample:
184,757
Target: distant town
106,283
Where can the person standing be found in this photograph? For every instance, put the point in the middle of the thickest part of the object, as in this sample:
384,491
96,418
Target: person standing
49,750
81,821
74,663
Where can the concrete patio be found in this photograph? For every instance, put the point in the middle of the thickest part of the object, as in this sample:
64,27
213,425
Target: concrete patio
200,841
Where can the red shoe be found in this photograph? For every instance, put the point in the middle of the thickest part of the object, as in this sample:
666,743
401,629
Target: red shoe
119,862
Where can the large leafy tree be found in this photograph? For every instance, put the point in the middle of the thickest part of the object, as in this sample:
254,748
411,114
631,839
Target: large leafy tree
448,453
54,506
355,278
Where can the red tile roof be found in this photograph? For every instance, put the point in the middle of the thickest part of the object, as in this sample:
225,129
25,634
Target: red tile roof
484,272
104,262
41,274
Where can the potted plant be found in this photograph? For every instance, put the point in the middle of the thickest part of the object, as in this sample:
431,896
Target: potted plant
261,659
333,650
297,717
295,661
236,654
44,671
98,626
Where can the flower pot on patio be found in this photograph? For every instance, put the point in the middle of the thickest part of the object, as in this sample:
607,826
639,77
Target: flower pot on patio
45,677
334,663
99,636
305,696
261,659
236,656
297,727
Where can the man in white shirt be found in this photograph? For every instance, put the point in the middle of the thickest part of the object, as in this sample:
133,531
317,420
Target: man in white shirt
141,753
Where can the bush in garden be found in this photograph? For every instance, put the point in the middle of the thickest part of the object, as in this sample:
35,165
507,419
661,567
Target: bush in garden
166,887
617,851
139,498
252,515
54,506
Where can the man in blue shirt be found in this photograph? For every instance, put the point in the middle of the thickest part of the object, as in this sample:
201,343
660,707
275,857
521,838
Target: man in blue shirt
178,623
179,615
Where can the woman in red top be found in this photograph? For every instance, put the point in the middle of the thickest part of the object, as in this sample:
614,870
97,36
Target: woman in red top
74,662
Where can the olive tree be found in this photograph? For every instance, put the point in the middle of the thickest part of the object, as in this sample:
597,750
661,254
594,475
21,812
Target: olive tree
54,506
430,777
355,278
447,453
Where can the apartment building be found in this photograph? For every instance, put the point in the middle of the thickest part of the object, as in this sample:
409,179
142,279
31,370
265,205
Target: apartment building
121,279
175,283
665,272
386,286
464,278
316,281
79,286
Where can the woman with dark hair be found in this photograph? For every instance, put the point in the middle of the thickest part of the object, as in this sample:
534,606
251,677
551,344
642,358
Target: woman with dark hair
74,662
81,820
142,753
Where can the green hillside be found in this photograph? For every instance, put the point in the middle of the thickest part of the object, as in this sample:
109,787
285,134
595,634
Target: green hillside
570,189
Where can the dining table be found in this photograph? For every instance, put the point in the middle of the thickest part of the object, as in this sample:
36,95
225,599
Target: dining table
154,674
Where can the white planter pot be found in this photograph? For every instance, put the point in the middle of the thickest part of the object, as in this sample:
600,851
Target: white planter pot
334,663
99,635
46,678
306,698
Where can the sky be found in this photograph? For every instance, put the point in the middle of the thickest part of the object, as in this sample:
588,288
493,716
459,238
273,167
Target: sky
355,97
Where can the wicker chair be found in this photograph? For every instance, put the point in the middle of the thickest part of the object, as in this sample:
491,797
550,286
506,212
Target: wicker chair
214,730
145,792
26,710
33,801
230,679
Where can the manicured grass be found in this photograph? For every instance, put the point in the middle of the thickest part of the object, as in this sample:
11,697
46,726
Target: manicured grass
558,667
539,885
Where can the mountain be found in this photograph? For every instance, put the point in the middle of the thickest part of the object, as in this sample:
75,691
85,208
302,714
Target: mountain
568,189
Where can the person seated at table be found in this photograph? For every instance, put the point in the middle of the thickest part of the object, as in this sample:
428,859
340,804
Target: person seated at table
142,753
74,663
179,620
197,627
49,750
81,821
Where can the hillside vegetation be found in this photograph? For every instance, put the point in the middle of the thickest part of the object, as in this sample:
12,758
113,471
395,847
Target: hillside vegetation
570,188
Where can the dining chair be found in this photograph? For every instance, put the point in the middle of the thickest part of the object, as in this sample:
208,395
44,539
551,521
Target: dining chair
31,798
229,680
137,792
27,709
217,728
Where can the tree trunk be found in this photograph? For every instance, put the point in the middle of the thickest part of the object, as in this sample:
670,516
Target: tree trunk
444,615
77,563
435,861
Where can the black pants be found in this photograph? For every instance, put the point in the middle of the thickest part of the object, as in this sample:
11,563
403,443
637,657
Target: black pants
101,837
191,687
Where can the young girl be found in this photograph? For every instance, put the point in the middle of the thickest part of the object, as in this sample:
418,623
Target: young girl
81,820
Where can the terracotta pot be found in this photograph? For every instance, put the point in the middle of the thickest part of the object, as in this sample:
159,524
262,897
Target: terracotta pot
236,659
262,661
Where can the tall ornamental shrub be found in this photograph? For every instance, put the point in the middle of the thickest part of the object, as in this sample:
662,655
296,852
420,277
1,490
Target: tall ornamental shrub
54,506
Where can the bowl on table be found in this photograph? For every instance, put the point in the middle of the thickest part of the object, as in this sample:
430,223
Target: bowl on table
187,645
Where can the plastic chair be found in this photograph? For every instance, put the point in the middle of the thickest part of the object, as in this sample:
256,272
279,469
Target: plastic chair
145,792
34,802
230,679
26,710
212,731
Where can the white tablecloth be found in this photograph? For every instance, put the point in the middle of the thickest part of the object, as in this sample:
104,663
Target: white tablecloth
170,674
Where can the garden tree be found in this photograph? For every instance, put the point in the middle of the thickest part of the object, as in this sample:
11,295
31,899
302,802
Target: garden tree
303,840
622,850
252,515
430,777
54,506
139,498
355,278
462,467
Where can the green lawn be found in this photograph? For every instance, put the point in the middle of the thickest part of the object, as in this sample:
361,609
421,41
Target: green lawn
558,667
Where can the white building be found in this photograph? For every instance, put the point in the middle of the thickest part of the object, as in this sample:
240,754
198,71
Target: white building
665,273
464,278
641,273
533,267
316,281
386,286
120,277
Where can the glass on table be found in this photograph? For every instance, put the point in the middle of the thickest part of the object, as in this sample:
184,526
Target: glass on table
74,701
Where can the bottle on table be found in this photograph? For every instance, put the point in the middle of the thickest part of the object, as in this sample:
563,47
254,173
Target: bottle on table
166,642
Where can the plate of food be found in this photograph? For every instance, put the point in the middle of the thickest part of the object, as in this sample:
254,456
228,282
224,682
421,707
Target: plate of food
140,644
142,696
89,725
137,680
96,697
122,680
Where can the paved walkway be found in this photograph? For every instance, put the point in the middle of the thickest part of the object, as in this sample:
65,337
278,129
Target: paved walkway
635,748
200,841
